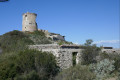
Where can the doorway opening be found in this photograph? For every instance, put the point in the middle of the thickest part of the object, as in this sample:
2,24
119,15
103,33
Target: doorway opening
74,54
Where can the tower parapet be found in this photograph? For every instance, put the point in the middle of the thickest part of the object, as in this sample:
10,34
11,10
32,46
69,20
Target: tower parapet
29,22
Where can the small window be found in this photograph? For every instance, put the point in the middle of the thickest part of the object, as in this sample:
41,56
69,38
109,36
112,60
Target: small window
25,15
113,51
104,51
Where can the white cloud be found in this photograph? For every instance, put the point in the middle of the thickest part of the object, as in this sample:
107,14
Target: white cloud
107,42
76,43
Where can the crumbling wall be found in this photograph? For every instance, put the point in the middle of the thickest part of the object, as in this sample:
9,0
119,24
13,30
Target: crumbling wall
64,57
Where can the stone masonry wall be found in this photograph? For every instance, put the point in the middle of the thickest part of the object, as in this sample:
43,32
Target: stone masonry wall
63,56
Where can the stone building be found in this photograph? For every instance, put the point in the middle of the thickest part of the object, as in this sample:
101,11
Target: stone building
110,50
29,22
66,55
56,37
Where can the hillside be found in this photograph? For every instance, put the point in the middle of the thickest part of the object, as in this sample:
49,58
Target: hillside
18,62
16,40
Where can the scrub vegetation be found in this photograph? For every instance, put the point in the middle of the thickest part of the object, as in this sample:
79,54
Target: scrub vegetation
17,62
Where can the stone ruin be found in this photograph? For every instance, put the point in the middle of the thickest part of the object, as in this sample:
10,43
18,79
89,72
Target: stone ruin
64,54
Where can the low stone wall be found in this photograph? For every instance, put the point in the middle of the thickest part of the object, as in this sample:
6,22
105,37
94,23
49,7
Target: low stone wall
111,51
46,46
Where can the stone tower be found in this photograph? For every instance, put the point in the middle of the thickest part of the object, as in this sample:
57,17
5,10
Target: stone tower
29,22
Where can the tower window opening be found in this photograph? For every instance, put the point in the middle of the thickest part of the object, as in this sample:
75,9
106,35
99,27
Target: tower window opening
25,15
113,51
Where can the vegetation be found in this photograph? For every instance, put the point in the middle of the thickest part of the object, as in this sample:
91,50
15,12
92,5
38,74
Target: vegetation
14,41
103,68
28,65
89,53
17,41
39,37
111,56
17,62
63,42
78,72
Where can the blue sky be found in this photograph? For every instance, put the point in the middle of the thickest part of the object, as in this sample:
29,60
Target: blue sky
78,20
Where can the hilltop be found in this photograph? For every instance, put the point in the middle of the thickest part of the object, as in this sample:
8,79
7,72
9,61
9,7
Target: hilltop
35,54
15,40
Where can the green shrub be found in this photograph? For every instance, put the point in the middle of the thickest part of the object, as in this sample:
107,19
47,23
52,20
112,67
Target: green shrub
118,77
28,65
116,58
78,72
103,68
25,61
30,76
104,55
89,53
112,56
46,64
7,66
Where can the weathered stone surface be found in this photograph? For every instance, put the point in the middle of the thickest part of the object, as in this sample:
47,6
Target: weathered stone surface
111,50
64,56
29,22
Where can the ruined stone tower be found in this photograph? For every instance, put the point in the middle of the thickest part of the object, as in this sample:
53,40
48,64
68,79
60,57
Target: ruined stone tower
29,22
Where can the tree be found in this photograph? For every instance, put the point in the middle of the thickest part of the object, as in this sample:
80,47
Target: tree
90,52
88,42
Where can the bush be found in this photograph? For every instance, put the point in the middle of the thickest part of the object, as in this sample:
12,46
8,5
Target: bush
28,65
103,68
30,76
116,58
112,56
25,61
46,65
89,53
78,72
118,77
7,66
